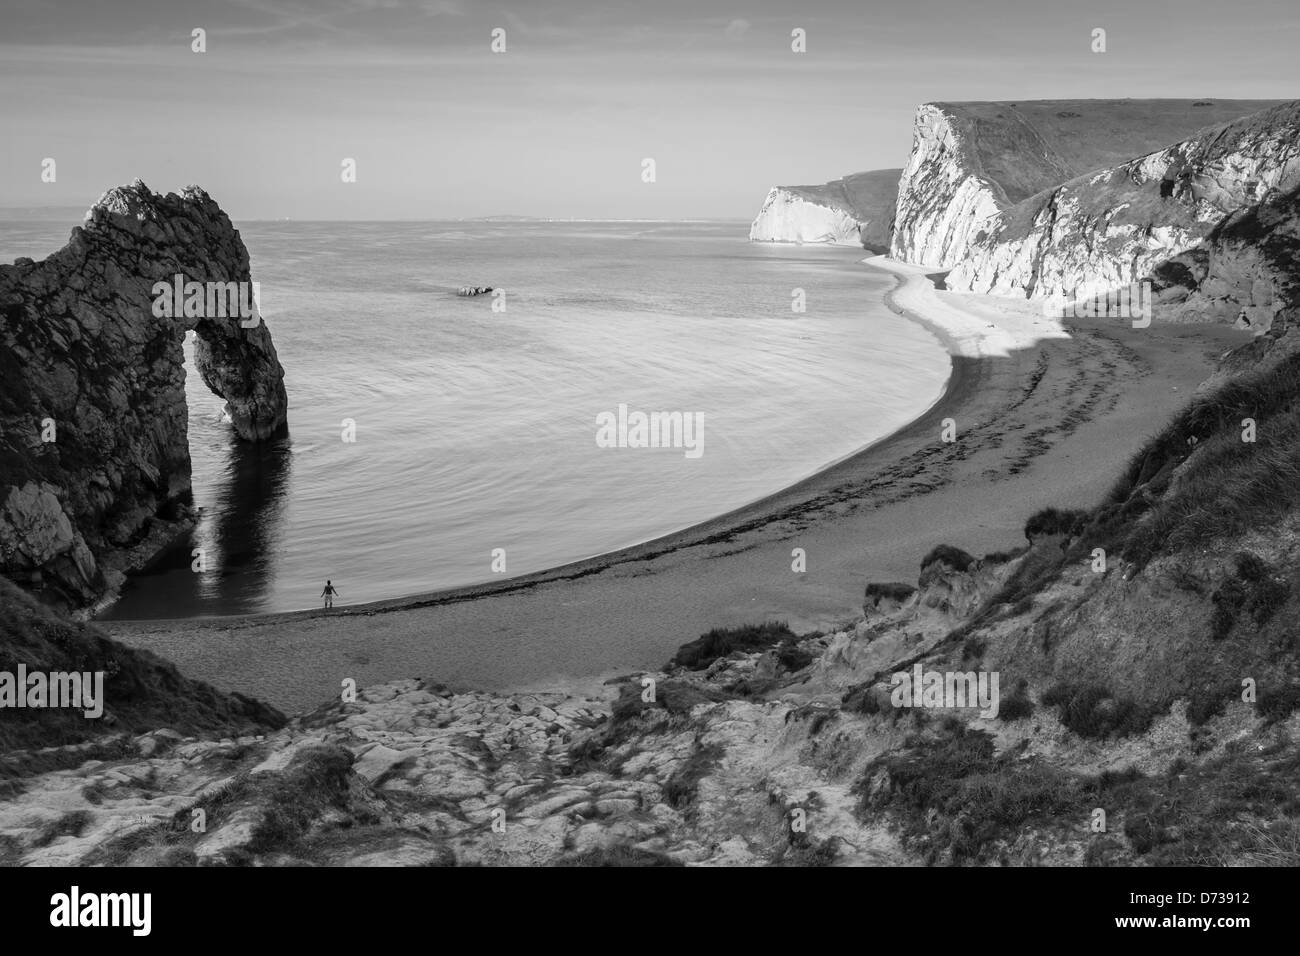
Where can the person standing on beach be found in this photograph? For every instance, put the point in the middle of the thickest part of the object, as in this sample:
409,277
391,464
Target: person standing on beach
328,594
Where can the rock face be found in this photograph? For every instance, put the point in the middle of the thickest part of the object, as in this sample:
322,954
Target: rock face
94,456
788,217
1244,272
1106,229
855,210
971,161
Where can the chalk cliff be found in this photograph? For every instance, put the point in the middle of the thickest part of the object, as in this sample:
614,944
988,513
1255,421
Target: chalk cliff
94,454
1108,228
1244,272
857,210
787,216
972,161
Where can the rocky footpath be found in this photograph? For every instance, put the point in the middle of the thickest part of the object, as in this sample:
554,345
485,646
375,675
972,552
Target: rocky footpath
857,210
746,751
412,773
972,162
1109,228
94,457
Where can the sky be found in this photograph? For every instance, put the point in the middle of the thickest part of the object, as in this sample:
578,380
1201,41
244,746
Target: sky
560,123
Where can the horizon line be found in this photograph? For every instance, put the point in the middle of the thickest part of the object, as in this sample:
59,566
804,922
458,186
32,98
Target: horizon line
503,220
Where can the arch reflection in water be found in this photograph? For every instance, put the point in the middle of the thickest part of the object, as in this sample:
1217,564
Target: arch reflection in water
237,535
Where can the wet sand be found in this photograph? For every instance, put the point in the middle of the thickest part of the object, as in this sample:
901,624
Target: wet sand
1042,418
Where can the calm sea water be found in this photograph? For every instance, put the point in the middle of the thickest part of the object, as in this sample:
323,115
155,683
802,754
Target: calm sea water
475,430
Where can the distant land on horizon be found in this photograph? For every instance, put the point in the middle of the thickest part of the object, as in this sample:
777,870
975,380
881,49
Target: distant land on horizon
44,213
58,213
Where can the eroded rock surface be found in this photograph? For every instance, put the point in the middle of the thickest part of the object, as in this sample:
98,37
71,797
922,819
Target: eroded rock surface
1246,271
1113,227
971,162
94,456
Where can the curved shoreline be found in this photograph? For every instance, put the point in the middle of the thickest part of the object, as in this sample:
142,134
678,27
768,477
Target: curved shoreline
1048,422
963,381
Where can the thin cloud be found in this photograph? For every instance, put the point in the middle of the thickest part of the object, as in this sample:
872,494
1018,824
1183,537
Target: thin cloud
737,28
442,8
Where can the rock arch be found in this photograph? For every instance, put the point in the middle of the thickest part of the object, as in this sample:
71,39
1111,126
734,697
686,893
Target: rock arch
84,348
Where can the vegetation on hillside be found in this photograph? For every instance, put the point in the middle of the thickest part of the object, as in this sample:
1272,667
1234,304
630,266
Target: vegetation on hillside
955,800
1033,145
143,692
721,641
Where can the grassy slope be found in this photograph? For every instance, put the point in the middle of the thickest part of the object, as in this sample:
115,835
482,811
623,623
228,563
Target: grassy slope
1027,147
1125,202
1202,537
143,691
1199,595
865,195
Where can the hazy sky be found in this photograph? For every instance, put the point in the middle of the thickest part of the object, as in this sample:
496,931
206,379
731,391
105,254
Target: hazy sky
558,125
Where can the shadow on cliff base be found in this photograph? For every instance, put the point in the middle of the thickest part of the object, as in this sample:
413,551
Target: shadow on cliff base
237,534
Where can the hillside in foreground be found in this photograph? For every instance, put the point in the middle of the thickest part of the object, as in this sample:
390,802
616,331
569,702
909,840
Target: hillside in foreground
142,692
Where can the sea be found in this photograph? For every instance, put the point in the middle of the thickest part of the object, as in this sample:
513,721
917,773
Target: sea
436,440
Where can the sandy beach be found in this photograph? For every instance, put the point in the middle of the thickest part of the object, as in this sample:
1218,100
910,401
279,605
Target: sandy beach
1045,415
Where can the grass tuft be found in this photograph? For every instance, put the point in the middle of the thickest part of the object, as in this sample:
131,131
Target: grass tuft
1092,711
955,558
722,641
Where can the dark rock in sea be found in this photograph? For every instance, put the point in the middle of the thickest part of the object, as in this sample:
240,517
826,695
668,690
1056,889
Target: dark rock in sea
94,455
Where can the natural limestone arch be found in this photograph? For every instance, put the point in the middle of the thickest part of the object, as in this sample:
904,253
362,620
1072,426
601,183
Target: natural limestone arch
89,358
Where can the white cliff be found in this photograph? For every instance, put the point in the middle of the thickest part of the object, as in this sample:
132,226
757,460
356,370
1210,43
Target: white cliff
943,197
1110,228
788,217
973,162
857,210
